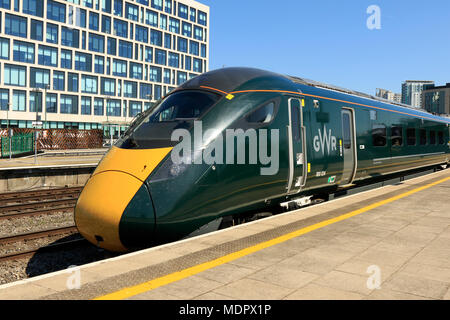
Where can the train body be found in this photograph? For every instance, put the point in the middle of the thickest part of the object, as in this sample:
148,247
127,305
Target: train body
325,139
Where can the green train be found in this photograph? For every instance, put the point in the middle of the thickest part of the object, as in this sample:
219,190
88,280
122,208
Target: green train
236,141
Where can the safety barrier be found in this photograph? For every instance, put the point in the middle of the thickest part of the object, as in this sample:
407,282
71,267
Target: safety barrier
16,145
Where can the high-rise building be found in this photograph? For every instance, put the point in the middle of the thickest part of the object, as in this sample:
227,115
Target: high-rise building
388,95
437,99
412,92
95,62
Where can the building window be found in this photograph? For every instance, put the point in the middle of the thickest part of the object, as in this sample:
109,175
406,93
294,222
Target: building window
108,87
96,43
66,59
83,62
118,7
5,4
47,56
4,99
15,26
89,84
35,101
119,68
112,46
131,11
411,136
15,75
145,90
52,33
113,108
130,89
155,74
168,6
106,6
192,15
174,60
70,37
98,107
187,29
379,135
93,21
167,41
58,80
69,104
86,105
157,4
156,37
182,77
163,22
193,48
39,78
56,11
202,18
19,100
197,65
99,64
135,108
174,25
160,57
23,51
106,24
198,33
148,54
72,82
151,18
136,70
51,103
125,49
120,28
141,34
203,52
4,48
37,30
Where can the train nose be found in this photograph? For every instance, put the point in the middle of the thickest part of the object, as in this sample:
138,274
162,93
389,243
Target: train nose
101,205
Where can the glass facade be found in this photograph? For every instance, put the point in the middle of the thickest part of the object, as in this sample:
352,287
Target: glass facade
84,61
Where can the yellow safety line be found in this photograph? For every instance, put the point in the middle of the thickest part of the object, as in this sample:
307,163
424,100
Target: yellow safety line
179,275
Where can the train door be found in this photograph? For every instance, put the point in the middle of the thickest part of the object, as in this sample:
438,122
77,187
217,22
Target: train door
349,146
297,147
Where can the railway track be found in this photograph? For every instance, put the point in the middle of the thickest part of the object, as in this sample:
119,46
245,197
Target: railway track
69,230
29,203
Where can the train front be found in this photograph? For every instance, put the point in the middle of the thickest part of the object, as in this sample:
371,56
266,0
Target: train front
115,209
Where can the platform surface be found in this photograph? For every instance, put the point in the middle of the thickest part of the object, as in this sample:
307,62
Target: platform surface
388,243
55,159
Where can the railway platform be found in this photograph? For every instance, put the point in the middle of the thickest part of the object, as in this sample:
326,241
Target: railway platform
49,169
389,243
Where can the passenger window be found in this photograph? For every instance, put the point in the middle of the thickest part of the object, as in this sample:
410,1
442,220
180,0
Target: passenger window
346,131
441,137
423,137
263,114
411,136
432,137
295,114
397,136
379,135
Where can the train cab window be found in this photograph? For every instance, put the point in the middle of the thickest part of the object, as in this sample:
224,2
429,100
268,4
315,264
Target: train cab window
346,131
411,136
397,136
432,137
441,137
379,135
423,137
263,114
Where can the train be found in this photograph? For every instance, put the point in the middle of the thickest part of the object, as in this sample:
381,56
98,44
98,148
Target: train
235,142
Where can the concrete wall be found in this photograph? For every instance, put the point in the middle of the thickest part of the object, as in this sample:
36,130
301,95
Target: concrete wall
16,180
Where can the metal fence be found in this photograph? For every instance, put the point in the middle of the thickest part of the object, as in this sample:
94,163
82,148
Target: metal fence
17,145
50,139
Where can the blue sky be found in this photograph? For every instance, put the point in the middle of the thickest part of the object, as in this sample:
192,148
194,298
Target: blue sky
328,40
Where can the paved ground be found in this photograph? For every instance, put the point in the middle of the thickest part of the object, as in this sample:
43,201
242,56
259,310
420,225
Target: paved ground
388,243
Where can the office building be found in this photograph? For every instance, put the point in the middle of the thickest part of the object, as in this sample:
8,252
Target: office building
412,92
437,99
86,63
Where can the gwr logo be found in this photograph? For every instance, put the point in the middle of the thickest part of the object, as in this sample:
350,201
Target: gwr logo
325,139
